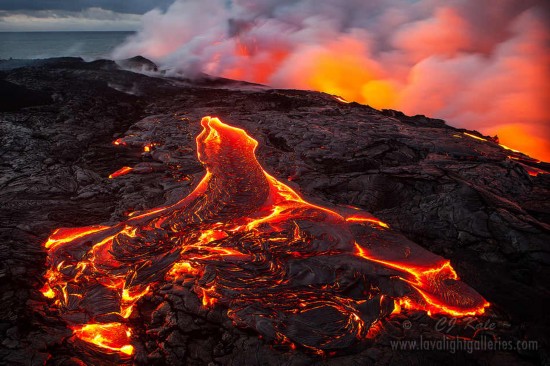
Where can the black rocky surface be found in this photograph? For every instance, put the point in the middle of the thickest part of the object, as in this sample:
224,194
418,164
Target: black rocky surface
468,200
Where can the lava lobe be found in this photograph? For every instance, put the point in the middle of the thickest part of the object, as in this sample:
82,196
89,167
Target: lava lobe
297,273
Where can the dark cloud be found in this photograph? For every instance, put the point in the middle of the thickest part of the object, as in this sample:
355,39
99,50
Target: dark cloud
119,6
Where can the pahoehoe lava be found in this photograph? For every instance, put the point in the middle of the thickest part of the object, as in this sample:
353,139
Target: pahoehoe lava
319,276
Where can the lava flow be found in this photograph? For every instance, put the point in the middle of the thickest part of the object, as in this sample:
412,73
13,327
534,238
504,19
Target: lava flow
295,272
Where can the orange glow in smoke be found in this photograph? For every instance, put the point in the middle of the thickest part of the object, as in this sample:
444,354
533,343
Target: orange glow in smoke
254,64
421,83
518,137
341,68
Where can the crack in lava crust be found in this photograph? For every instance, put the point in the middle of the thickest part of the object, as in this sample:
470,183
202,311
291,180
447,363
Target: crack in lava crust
295,272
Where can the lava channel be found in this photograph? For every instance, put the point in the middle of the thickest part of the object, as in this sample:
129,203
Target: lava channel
297,273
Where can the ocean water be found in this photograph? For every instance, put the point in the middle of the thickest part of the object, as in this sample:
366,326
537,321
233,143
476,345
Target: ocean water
88,45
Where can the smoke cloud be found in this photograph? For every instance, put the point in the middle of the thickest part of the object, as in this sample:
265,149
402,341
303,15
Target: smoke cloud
478,65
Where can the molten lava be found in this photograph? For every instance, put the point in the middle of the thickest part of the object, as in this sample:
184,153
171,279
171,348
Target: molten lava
110,336
295,272
122,171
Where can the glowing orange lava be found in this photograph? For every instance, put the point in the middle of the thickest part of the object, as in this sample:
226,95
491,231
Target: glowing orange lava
426,281
119,142
122,171
148,147
110,336
250,243
342,100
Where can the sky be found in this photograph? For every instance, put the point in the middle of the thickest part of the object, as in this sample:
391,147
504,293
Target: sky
75,15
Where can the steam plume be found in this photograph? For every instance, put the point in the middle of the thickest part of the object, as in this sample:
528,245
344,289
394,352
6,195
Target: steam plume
479,65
